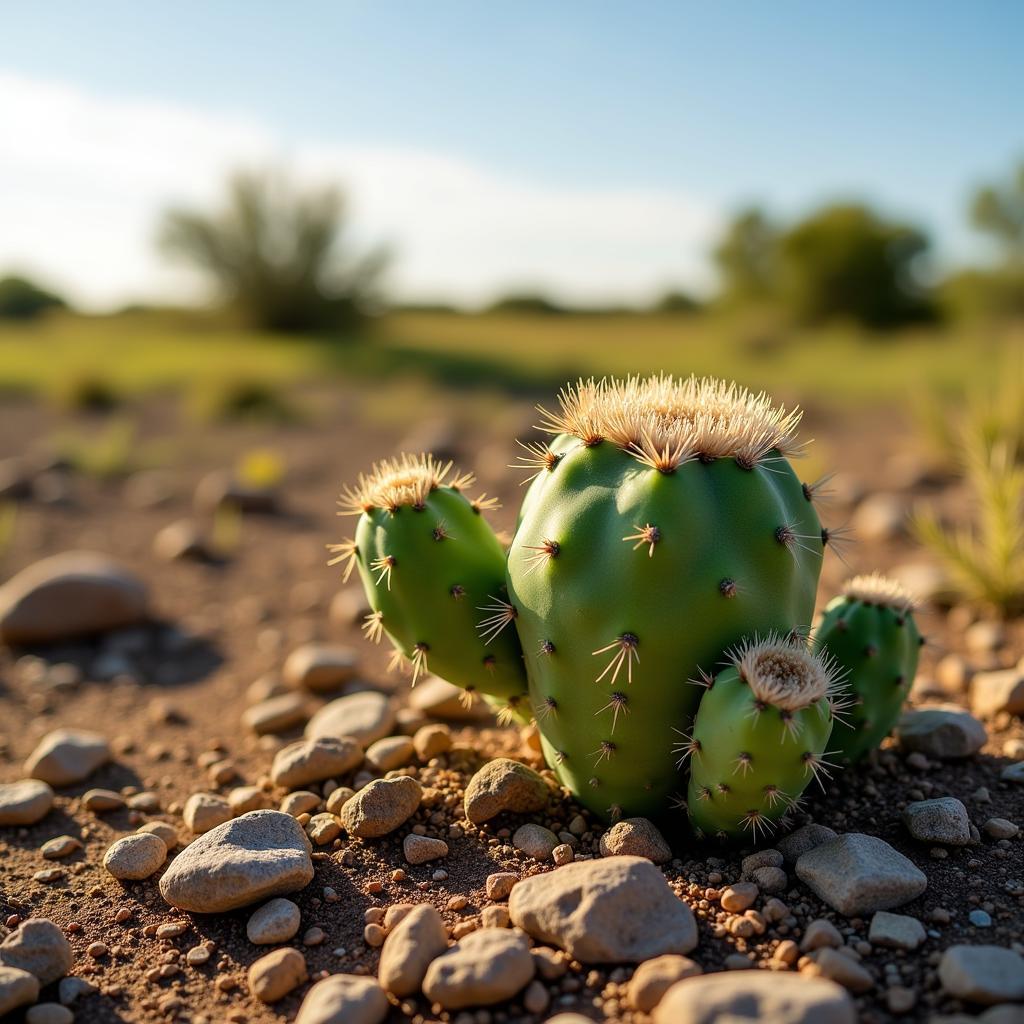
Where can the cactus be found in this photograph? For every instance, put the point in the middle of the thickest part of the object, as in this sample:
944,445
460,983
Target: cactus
870,632
760,736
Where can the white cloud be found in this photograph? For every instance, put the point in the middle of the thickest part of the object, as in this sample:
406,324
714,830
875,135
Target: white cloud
83,178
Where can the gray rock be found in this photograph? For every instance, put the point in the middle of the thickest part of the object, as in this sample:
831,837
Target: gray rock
942,820
1013,773
71,989
276,714
66,756
504,785
315,759
636,837
135,857
411,946
276,921
614,910
896,931
535,841
344,999
421,849
39,947
796,844
251,858
485,967
946,732
364,717
993,692
24,802
321,668
1000,828
68,595
381,807
982,974
858,874
48,1013
17,988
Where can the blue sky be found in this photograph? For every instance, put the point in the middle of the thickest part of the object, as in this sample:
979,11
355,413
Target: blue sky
907,104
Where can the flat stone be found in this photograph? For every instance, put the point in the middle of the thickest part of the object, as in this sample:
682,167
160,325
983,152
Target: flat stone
614,910
276,921
896,931
48,1013
163,830
24,802
535,841
411,946
364,717
482,968
942,820
844,970
995,692
321,668
315,759
982,974
72,594
1013,773
819,934
205,811
636,837
344,999
390,752
1000,828
499,885
243,799
39,947
440,699
798,842
135,857
245,860
946,732
60,847
301,802
858,874
275,974
17,988
100,801
71,989
504,785
381,806
66,756
420,849
654,978
276,714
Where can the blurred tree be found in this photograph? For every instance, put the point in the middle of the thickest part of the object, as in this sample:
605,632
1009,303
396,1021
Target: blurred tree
275,253
676,301
528,303
998,210
845,261
22,299
747,258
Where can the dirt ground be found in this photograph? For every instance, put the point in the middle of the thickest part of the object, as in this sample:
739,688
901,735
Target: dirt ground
222,626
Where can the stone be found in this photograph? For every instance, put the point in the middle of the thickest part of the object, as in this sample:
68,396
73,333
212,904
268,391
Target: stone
315,759
221,489
181,541
980,918
535,841
942,820
381,806
276,714
1000,828
17,988
101,801
276,921
896,931
349,607
432,740
945,732
746,995
321,668
411,946
844,970
858,874
880,517
60,847
504,785
995,692
344,999
820,934
769,878
66,756
482,968
167,833
390,752
499,885
24,802
302,802
72,594
205,811
243,799
135,857
441,699
982,974
243,861
420,849
636,837
39,947
613,910
807,837
71,989
654,978
323,829
364,717
1013,773
275,974
985,636
48,1013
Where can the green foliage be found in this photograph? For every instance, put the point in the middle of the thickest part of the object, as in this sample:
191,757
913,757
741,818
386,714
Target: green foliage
84,392
223,399
109,453
747,258
527,303
676,302
22,299
275,253
998,210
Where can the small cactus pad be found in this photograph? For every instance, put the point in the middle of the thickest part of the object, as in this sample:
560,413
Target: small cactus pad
759,738
870,632
433,569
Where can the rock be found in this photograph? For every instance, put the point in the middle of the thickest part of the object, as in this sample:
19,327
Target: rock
69,595
879,517
220,489
276,921
755,996
276,714
364,717
485,967
796,844
100,801
135,857
982,974
66,756
432,740
739,897
946,732
942,820
1013,773
48,1013
349,607
71,989
247,859
24,802
441,699
303,802
770,879
321,668
338,798
504,785
390,752
980,918
274,975
985,636
535,841
1000,828
896,931
167,833
344,999
313,760
618,909
181,541
381,807
39,947
844,970
636,837
409,949
993,692
60,847
205,811
820,934
499,885
323,829
858,874
654,978
17,988
243,799
420,849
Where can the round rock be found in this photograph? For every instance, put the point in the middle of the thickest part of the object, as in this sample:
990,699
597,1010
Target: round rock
39,947
946,732
17,988
364,717
381,807
276,714
24,802
636,837
316,759
133,858
321,668
420,849
344,999
485,967
409,949
390,752
66,756
48,1013
276,921
982,974
535,841
654,978
504,785
274,975
942,820
167,833
205,811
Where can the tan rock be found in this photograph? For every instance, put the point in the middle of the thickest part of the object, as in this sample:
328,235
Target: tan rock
654,978
135,857
344,999
486,967
411,946
205,811
315,759
381,807
321,668
504,785
276,974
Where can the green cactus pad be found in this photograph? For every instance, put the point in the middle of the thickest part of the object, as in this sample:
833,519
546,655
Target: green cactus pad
870,632
759,738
